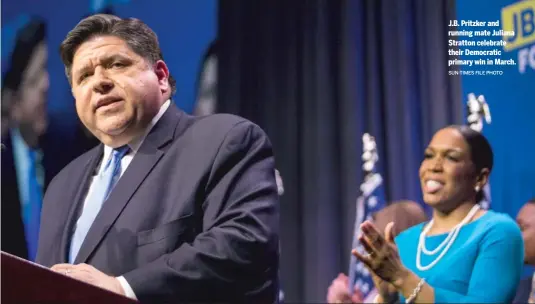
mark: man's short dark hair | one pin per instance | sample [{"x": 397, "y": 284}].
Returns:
[
  {"x": 28, "y": 38},
  {"x": 137, "y": 35}
]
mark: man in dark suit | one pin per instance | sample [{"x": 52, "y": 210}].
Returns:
[
  {"x": 24, "y": 123},
  {"x": 526, "y": 220},
  {"x": 170, "y": 207}
]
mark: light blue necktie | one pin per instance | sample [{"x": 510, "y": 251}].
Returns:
[
  {"x": 103, "y": 184},
  {"x": 32, "y": 208}
]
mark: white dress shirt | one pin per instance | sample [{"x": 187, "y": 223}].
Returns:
[{"x": 125, "y": 161}]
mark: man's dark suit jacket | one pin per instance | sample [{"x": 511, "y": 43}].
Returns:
[
  {"x": 193, "y": 218},
  {"x": 523, "y": 290},
  {"x": 55, "y": 157},
  {"x": 13, "y": 240}
]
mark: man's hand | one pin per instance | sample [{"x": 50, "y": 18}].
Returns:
[
  {"x": 90, "y": 275},
  {"x": 339, "y": 291}
]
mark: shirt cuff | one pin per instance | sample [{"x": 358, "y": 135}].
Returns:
[{"x": 127, "y": 289}]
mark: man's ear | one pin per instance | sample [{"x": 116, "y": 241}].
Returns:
[
  {"x": 162, "y": 72},
  {"x": 9, "y": 105}
]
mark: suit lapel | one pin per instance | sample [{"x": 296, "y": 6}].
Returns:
[
  {"x": 145, "y": 159},
  {"x": 77, "y": 200}
]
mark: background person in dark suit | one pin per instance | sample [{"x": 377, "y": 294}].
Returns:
[
  {"x": 24, "y": 122},
  {"x": 206, "y": 102},
  {"x": 169, "y": 207},
  {"x": 526, "y": 220}
]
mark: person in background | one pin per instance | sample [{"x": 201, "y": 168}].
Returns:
[
  {"x": 206, "y": 100},
  {"x": 525, "y": 292},
  {"x": 464, "y": 254},
  {"x": 404, "y": 214},
  {"x": 24, "y": 123}
]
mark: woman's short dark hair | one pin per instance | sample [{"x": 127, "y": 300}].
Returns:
[
  {"x": 480, "y": 151},
  {"x": 137, "y": 35}
]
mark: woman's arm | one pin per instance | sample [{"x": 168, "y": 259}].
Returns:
[{"x": 495, "y": 275}]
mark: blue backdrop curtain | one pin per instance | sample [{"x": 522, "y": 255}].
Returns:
[
  {"x": 511, "y": 101},
  {"x": 404, "y": 93},
  {"x": 316, "y": 75}
]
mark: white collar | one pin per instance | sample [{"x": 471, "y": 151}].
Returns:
[{"x": 136, "y": 143}]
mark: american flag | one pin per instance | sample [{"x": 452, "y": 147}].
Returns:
[
  {"x": 478, "y": 113},
  {"x": 371, "y": 200}
]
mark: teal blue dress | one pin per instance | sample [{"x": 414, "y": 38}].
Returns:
[{"x": 484, "y": 264}]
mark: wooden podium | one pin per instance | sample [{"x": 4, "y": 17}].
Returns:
[{"x": 27, "y": 282}]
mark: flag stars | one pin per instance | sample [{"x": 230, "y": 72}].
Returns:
[
  {"x": 360, "y": 267},
  {"x": 365, "y": 288},
  {"x": 372, "y": 202}
]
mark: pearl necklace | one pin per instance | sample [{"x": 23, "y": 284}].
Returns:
[{"x": 450, "y": 239}]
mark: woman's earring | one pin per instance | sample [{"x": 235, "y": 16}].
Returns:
[{"x": 477, "y": 188}]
